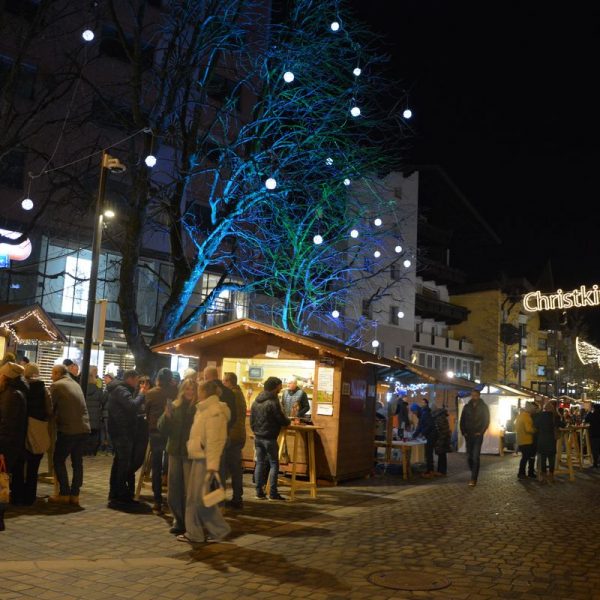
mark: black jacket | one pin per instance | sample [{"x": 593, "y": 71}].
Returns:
[
  {"x": 228, "y": 397},
  {"x": 444, "y": 435},
  {"x": 267, "y": 417},
  {"x": 94, "y": 399},
  {"x": 547, "y": 424},
  {"x": 13, "y": 422},
  {"x": 122, "y": 410},
  {"x": 593, "y": 419},
  {"x": 475, "y": 418},
  {"x": 39, "y": 405}
]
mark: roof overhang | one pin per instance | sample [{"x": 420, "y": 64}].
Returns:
[{"x": 29, "y": 323}]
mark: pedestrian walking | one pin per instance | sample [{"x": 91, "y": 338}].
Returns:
[
  {"x": 122, "y": 405},
  {"x": 94, "y": 400},
  {"x": 425, "y": 428},
  {"x": 39, "y": 411},
  {"x": 73, "y": 430},
  {"x": 175, "y": 424},
  {"x": 593, "y": 420},
  {"x": 547, "y": 423},
  {"x": 474, "y": 421},
  {"x": 235, "y": 443},
  {"x": 13, "y": 421},
  {"x": 156, "y": 401},
  {"x": 266, "y": 420},
  {"x": 444, "y": 437},
  {"x": 208, "y": 436},
  {"x": 525, "y": 441},
  {"x": 141, "y": 436}
]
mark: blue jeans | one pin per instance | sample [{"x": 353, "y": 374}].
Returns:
[
  {"x": 158, "y": 444},
  {"x": 473, "y": 451},
  {"x": 267, "y": 454},
  {"x": 69, "y": 445}
]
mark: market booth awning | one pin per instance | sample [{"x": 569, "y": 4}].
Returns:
[{"x": 26, "y": 323}]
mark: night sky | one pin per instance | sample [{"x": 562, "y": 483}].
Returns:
[{"x": 506, "y": 98}]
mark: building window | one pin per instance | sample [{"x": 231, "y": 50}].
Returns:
[
  {"x": 477, "y": 370},
  {"x": 422, "y": 359},
  {"x": 367, "y": 309},
  {"x": 111, "y": 45},
  {"x": 77, "y": 285},
  {"x": 542, "y": 343},
  {"x": 394, "y": 315},
  {"x": 444, "y": 363},
  {"x": 430, "y": 361},
  {"x": 24, "y": 77},
  {"x": 437, "y": 363},
  {"x": 12, "y": 167},
  {"x": 395, "y": 273},
  {"x": 541, "y": 371},
  {"x": 451, "y": 364}
]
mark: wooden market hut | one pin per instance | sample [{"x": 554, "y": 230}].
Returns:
[
  {"x": 25, "y": 323},
  {"x": 340, "y": 382}
]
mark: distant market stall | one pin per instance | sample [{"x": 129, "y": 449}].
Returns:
[{"x": 19, "y": 324}]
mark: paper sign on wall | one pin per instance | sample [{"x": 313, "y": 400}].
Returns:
[
  {"x": 325, "y": 409},
  {"x": 325, "y": 385},
  {"x": 272, "y": 352}
]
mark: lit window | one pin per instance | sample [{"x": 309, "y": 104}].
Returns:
[{"x": 76, "y": 291}]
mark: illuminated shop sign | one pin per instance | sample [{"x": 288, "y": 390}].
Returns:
[
  {"x": 577, "y": 298},
  {"x": 14, "y": 252}
]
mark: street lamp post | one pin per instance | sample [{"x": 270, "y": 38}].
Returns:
[{"x": 108, "y": 163}]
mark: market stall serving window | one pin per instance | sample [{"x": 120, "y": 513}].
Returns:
[{"x": 252, "y": 372}]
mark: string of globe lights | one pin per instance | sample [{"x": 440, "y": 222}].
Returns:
[
  {"x": 150, "y": 160},
  {"x": 355, "y": 112}
]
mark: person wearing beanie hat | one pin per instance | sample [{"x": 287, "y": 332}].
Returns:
[
  {"x": 13, "y": 419},
  {"x": 427, "y": 429},
  {"x": 39, "y": 407},
  {"x": 266, "y": 420}
]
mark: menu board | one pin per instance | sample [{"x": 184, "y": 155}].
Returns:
[{"x": 324, "y": 390}]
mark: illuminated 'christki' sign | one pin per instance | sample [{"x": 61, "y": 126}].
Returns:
[{"x": 577, "y": 298}]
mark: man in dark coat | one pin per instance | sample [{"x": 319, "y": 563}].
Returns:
[
  {"x": 593, "y": 420},
  {"x": 122, "y": 405},
  {"x": 13, "y": 420},
  {"x": 266, "y": 420},
  {"x": 474, "y": 421}
]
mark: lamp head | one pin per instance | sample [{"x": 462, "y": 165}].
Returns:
[{"x": 114, "y": 165}]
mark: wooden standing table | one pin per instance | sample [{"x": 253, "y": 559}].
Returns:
[{"x": 405, "y": 448}]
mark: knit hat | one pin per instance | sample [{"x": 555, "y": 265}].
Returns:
[
  {"x": 31, "y": 370},
  {"x": 11, "y": 370}
]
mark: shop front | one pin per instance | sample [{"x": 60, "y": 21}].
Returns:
[{"x": 340, "y": 383}]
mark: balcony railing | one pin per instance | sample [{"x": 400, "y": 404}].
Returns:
[{"x": 432, "y": 308}]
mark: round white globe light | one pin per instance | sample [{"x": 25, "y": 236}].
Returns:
[
  {"x": 150, "y": 160},
  {"x": 335, "y": 26},
  {"x": 407, "y": 263},
  {"x": 27, "y": 204},
  {"x": 270, "y": 183},
  {"x": 109, "y": 213},
  {"x": 329, "y": 161},
  {"x": 88, "y": 35},
  {"x": 398, "y": 249},
  {"x": 375, "y": 343},
  {"x": 357, "y": 71},
  {"x": 354, "y": 233},
  {"x": 288, "y": 77},
  {"x": 346, "y": 181},
  {"x": 376, "y": 254},
  {"x": 450, "y": 374},
  {"x": 378, "y": 222},
  {"x": 355, "y": 111},
  {"x": 400, "y": 314},
  {"x": 407, "y": 114},
  {"x": 318, "y": 240},
  {"x": 335, "y": 314}
]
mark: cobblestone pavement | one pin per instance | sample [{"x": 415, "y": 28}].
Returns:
[{"x": 503, "y": 539}]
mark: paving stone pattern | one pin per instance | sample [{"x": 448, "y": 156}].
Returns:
[{"x": 503, "y": 539}]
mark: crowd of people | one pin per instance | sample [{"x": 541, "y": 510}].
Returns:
[{"x": 195, "y": 430}]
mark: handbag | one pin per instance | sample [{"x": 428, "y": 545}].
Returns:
[
  {"x": 4, "y": 482},
  {"x": 212, "y": 497},
  {"x": 38, "y": 436}
]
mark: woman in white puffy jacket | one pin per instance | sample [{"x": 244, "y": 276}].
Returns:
[{"x": 208, "y": 437}]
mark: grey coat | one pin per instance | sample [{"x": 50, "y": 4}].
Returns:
[{"x": 70, "y": 409}]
